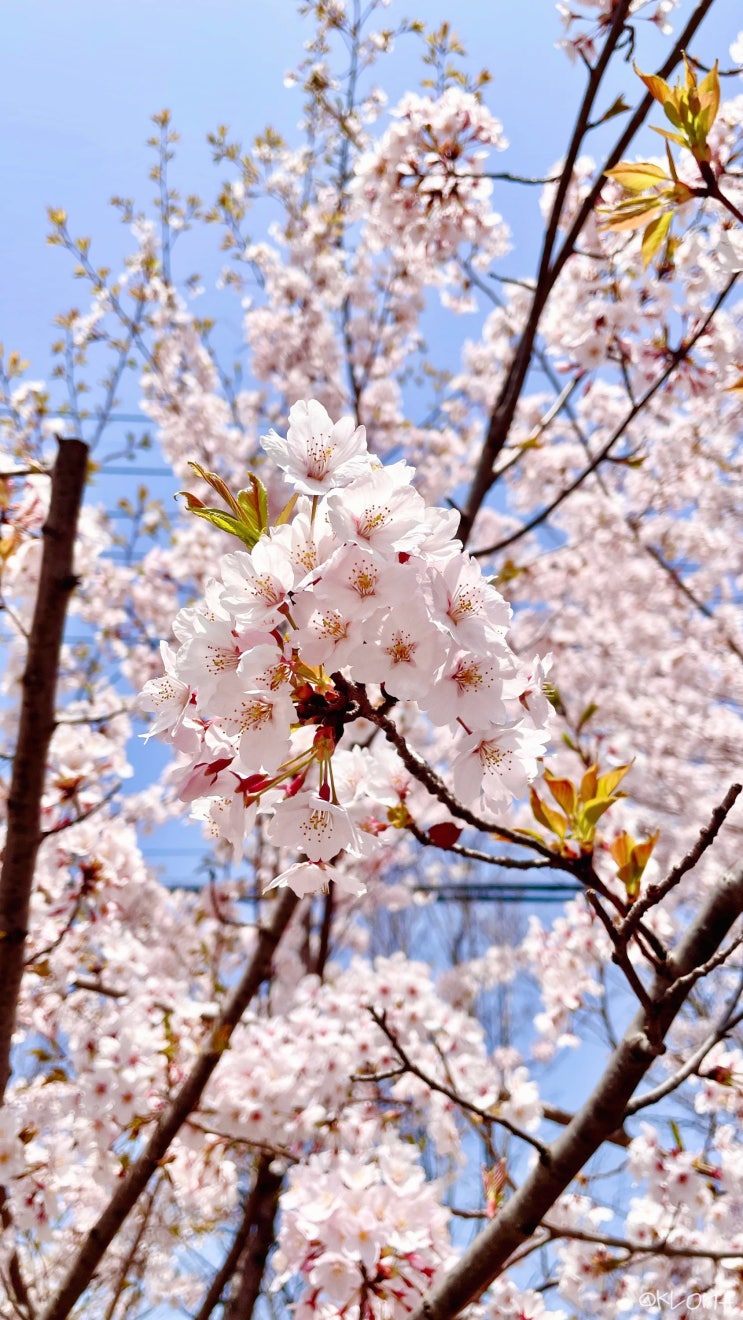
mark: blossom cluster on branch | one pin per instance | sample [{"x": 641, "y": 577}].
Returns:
[{"x": 359, "y": 583}]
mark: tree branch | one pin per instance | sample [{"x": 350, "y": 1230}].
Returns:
[
  {"x": 601, "y": 1115},
  {"x": 39, "y": 683},
  {"x": 505, "y": 407},
  {"x": 504, "y": 410},
  {"x": 662, "y": 1248},
  {"x": 686, "y": 1070},
  {"x": 252, "y": 1264},
  {"x": 184, "y": 1102},
  {"x": 240, "y": 1241},
  {"x": 654, "y": 893},
  {"x": 603, "y": 453}
]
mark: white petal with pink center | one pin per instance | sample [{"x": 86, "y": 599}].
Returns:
[
  {"x": 314, "y": 877},
  {"x": 467, "y": 605},
  {"x": 209, "y": 659},
  {"x": 327, "y": 636},
  {"x": 470, "y": 690},
  {"x": 226, "y": 819},
  {"x": 382, "y": 512},
  {"x": 499, "y": 766},
  {"x": 318, "y": 454},
  {"x": 405, "y": 655},
  {"x": 359, "y": 581},
  {"x": 304, "y": 878},
  {"x": 167, "y": 696},
  {"x": 321, "y": 829},
  {"x": 262, "y": 722},
  {"x": 308, "y": 544},
  {"x": 265, "y": 668},
  {"x": 256, "y": 584}
]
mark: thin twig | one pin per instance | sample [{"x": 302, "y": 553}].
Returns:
[
  {"x": 637, "y": 1248},
  {"x": 503, "y": 412},
  {"x": 688, "y": 1068},
  {"x": 619, "y": 955},
  {"x": 82, "y": 815},
  {"x": 676, "y": 357},
  {"x": 476, "y": 854},
  {"x": 654, "y": 893},
  {"x": 686, "y": 982},
  {"x": 483, "y": 1114}
]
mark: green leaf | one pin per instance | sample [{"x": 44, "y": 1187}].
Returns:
[
  {"x": 672, "y": 114},
  {"x": 594, "y": 810},
  {"x": 654, "y": 236},
  {"x": 641, "y": 852},
  {"x": 657, "y": 86},
  {"x": 253, "y": 503},
  {"x": 194, "y": 502},
  {"x": 287, "y": 511},
  {"x": 228, "y": 523},
  {"x": 670, "y": 137},
  {"x": 637, "y": 177},
  {"x": 632, "y": 214},
  {"x": 563, "y": 791},
  {"x": 609, "y": 781},
  {"x": 587, "y": 715},
  {"x": 589, "y": 784},
  {"x": 617, "y": 107},
  {"x": 255, "y": 499},
  {"x": 671, "y": 166},
  {"x": 215, "y": 481},
  {"x": 554, "y": 821}
]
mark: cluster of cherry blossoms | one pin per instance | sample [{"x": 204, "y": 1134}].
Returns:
[
  {"x": 358, "y": 583},
  {"x": 368, "y": 1236},
  {"x": 423, "y": 184}
]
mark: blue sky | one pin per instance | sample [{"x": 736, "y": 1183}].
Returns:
[{"x": 79, "y": 81}]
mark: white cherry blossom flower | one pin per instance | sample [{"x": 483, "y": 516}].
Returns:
[
  {"x": 328, "y": 636},
  {"x": 305, "y": 878},
  {"x": 168, "y": 696},
  {"x": 256, "y": 583},
  {"x": 357, "y": 580},
  {"x": 405, "y": 655},
  {"x": 317, "y": 454},
  {"x": 467, "y": 605},
  {"x": 261, "y": 721},
  {"x": 470, "y": 689},
  {"x": 321, "y": 829},
  {"x": 382, "y": 511}
]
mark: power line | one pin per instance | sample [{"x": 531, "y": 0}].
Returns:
[
  {"x": 96, "y": 416},
  {"x": 136, "y": 472},
  {"x": 457, "y": 892}
]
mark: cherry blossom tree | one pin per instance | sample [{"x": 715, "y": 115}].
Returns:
[{"x": 415, "y": 630}]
